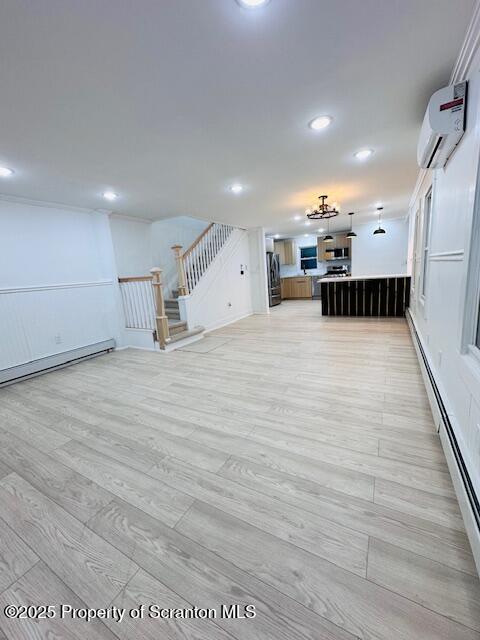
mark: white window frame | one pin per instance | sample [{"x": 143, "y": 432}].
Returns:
[
  {"x": 426, "y": 239},
  {"x": 471, "y": 321}
]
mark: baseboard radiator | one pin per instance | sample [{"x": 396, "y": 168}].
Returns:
[
  {"x": 43, "y": 365},
  {"x": 466, "y": 494}
]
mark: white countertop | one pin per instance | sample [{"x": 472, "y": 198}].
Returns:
[{"x": 349, "y": 278}]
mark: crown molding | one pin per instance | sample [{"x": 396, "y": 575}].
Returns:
[
  {"x": 48, "y": 205},
  {"x": 459, "y": 73},
  {"x": 469, "y": 48},
  {"x": 122, "y": 216}
]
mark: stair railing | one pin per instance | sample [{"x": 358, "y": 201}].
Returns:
[
  {"x": 182, "y": 278},
  {"x": 161, "y": 319},
  {"x": 138, "y": 302},
  {"x": 197, "y": 258}
]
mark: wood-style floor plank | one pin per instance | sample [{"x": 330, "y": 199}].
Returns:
[
  {"x": 359, "y": 606},
  {"x": 76, "y": 494},
  {"x": 154, "y": 497},
  {"x": 202, "y": 577},
  {"x": 320, "y": 536},
  {"x": 91, "y": 567},
  {"x": 16, "y": 558},
  {"x": 408, "y": 532},
  {"x": 233, "y": 474},
  {"x": 41, "y": 586},
  {"x": 417, "y": 502},
  {"x": 451, "y": 593},
  {"x": 144, "y": 589}
]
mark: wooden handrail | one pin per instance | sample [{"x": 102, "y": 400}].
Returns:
[
  {"x": 136, "y": 279},
  {"x": 192, "y": 247},
  {"x": 163, "y": 332},
  {"x": 182, "y": 281}
]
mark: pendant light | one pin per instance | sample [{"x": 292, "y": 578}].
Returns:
[
  {"x": 328, "y": 237},
  {"x": 379, "y": 230},
  {"x": 351, "y": 233}
]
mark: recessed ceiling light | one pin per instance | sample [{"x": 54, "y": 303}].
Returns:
[
  {"x": 297, "y": 218},
  {"x": 320, "y": 230},
  {"x": 277, "y": 235},
  {"x": 306, "y": 235},
  {"x": 308, "y": 223},
  {"x": 252, "y": 4},
  {"x": 236, "y": 189},
  {"x": 363, "y": 154},
  {"x": 110, "y": 195},
  {"x": 5, "y": 172},
  {"x": 320, "y": 123}
]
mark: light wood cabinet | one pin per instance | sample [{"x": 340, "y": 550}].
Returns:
[
  {"x": 287, "y": 250},
  {"x": 297, "y": 287},
  {"x": 340, "y": 241}
]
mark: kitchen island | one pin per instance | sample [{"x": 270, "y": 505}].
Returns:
[{"x": 374, "y": 296}]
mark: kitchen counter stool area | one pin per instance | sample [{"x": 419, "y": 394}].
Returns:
[{"x": 374, "y": 296}]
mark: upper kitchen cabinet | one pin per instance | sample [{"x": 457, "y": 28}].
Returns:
[
  {"x": 287, "y": 250},
  {"x": 335, "y": 249}
]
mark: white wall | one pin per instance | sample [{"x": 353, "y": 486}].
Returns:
[
  {"x": 446, "y": 316},
  {"x": 382, "y": 254},
  {"x": 132, "y": 243},
  {"x": 57, "y": 281},
  {"x": 258, "y": 270},
  {"x": 181, "y": 230},
  {"x": 223, "y": 295}
]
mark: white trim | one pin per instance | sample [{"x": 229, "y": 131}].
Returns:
[
  {"x": 122, "y": 216},
  {"x": 465, "y": 508},
  {"x": 49, "y": 287},
  {"x": 222, "y": 324},
  {"x": 468, "y": 49},
  {"x": 471, "y": 306},
  {"x": 460, "y": 491},
  {"x": 448, "y": 256},
  {"x": 35, "y": 367},
  {"x": 50, "y": 205}
]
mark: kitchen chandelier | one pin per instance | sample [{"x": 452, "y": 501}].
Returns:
[{"x": 323, "y": 211}]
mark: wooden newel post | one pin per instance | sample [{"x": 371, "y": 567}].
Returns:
[
  {"x": 163, "y": 333},
  {"x": 182, "y": 281}
]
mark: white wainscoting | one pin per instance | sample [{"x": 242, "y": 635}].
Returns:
[{"x": 41, "y": 321}]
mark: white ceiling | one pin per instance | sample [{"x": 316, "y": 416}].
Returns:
[{"x": 168, "y": 102}]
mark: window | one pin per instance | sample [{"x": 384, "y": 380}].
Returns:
[
  {"x": 426, "y": 240},
  {"x": 308, "y": 257},
  {"x": 478, "y": 329}
]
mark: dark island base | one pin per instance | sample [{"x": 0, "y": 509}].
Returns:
[{"x": 373, "y": 297}]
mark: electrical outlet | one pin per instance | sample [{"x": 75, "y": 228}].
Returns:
[{"x": 58, "y": 339}]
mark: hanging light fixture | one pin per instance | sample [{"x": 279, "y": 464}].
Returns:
[
  {"x": 351, "y": 233},
  {"x": 379, "y": 230},
  {"x": 328, "y": 237},
  {"x": 323, "y": 211}
]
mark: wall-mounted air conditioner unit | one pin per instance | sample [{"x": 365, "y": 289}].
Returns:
[{"x": 443, "y": 126}]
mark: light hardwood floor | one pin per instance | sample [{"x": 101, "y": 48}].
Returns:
[{"x": 288, "y": 462}]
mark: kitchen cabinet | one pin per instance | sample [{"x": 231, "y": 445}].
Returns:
[
  {"x": 296, "y": 287},
  {"x": 340, "y": 241},
  {"x": 287, "y": 250}
]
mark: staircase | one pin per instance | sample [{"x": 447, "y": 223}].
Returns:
[
  {"x": 178, "y": 328},
  {"x": 143, "y": 302}
]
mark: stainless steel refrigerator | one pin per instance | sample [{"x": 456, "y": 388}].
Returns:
[{"x": 273, "y": 273}]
